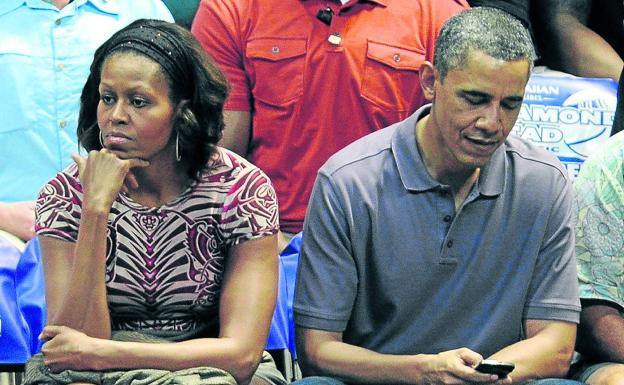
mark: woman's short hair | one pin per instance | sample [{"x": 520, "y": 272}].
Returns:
[{"x": 192, "y": 77}]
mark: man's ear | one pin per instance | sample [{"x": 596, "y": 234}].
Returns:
[{"x": 427, "y": 75}]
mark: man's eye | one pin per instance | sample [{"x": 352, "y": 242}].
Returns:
[
  {"x": 511, "y": 105},
  {"x": 138, "y": 103},
  {"x": 474, "y": 100}
]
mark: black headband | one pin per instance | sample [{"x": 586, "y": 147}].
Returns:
[{"x": 159, "y": 45}]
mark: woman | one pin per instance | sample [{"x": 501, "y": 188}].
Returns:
[{"x": 158, "y": 230}]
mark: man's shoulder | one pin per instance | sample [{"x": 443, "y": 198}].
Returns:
[
  {"x": 7, "y": 6},
  {"x": 361, "y": 153},
  {"x": 534, "y": 155}
]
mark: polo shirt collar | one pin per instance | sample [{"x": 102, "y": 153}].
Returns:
[
  {"x": 492, "y": 177},
  {"x": 383, "y": 3},
  {"x": 412, "y": 169}
]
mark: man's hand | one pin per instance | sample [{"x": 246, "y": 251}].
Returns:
[
  {"x": 67, "y": 348},
  {"x": 457, "y": 367},
  {"x": 18, "y": 219}
]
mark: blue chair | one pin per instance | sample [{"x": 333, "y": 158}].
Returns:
[{"x": 22, "y": 306}]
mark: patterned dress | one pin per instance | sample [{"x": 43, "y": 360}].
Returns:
[
  {"x": 164, "y": 265},
  {"x": 600, "y": 228}
]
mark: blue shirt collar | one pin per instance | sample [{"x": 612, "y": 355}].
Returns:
[
  {"x": 108, "y": 6},
  {"x": 414, "y": 174}
]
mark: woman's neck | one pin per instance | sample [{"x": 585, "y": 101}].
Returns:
[{"x": 158, "y": 185}]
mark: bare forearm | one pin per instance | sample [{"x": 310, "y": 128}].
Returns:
[
  {"x": 602, "y": 333},
  {"x": 582, "y": 52},
  {"x": 84, "y": 306},
  {"x": 356, "y": 364},
  {"x": 232, "y": 355},
  {"x": 545, "y": 354}
]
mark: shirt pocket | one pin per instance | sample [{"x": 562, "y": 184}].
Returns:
[
  {"x": 277, "y": 69},
  {"x": 21, "y": 79},
  {"x": 390, "y": 77}
]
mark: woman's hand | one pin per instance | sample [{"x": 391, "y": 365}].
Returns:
[
  {"x": 67, "y": 348},
  {"x": 103, "y": 175}
]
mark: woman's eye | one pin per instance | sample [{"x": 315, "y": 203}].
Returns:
[
  {"x": 107, "y": 99},
  {"x": 138, "y": 103}
]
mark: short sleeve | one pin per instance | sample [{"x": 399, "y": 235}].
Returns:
[
  {"x": 58, "y": 206},
  {"x": 250, "y": 209},
  {"x": 218, "y": 28},
  {"x": 553, "y": 290},
  {"x": 600, "y": 228},
  {"x": 327, "y": 276}
]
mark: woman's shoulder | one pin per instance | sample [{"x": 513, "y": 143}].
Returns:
[{"x": 228, "y": 165}]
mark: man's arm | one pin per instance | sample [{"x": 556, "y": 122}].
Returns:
[
  {"x": 601, "y": 333},
  {"x": 324, "y": 353},
  {"x": 237, "y": 132},
  {"x": 18, "y": 219},
  {"x": 567, "y": 44},
  {"x": 546, "y": 352}
]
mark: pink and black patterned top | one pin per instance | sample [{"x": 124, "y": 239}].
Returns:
[{"x": 164, "y": 265}]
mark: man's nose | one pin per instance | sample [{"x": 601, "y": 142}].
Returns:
[{"x": 490, "y": 120}]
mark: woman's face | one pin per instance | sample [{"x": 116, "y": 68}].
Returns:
[{"x": 135, "y": 112}]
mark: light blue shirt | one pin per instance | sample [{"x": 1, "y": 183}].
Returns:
[{"x": 45, "y": 54}]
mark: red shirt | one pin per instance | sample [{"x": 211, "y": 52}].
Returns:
[{"x": 310, "y": 96}]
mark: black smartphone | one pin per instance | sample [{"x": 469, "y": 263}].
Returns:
[{"x": 501, "y": 369}]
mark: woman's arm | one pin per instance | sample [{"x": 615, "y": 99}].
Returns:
[
  {"x": 245, "y": 311},
  {"x": 75, "y": 273}
]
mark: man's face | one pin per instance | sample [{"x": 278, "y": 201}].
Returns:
[{"x": 475, "y": 108}]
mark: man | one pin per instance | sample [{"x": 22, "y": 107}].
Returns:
[
  {"x": 311, "y": 76},
  {"x": 45, "y": 52},
  {"x": 439, "y": 240},
  {"x": 600, "y": 251}
]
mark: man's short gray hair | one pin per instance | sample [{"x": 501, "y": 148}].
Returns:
[{"x": 489, "y": 30}]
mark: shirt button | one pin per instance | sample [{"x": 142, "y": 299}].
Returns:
[
  {"x": 396, "y": 58},
  {"x": 60, "y": 66},
  {"x": 449, "y": 244},
  {"x": 275, "y": 49},
  {"x": 58, "y": 22},
  {"x": 447, "y": 218},
  {"x": 63, "y": 123}
]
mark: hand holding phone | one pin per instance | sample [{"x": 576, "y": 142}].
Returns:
[{"x": 500, "y": 368}]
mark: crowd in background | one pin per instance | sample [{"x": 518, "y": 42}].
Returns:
[{"x": 286, "y": 86}]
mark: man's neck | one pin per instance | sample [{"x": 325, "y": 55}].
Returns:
[
  {"x": 60, "y": 4},
  {"x": 460, "y": 181}
]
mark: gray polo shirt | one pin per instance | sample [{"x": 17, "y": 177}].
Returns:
[{"x": 387, "y": 260}]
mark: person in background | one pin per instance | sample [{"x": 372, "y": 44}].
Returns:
[
  {"x": 600, "y": 254},
  {"x": 581, "y": 37},
  {"x": 158, "y": 246},
  {"x": 45, "y": 52},
  {"x": 518, "y": 8},
  {"x": 441, "y": 240},
  {"x": 309, "y": 77},
  {"x": 183, "y": 11}
]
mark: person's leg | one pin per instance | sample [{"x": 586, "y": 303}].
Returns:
[
  {"x": 554, "y": 381},
  {"x": 603, "y": 374},
  {"x": 317, "y": 380}
]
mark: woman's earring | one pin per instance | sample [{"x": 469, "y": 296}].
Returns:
[
  {"x": 101, "y": 139},
  {"x": 178, "y": 157}
]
